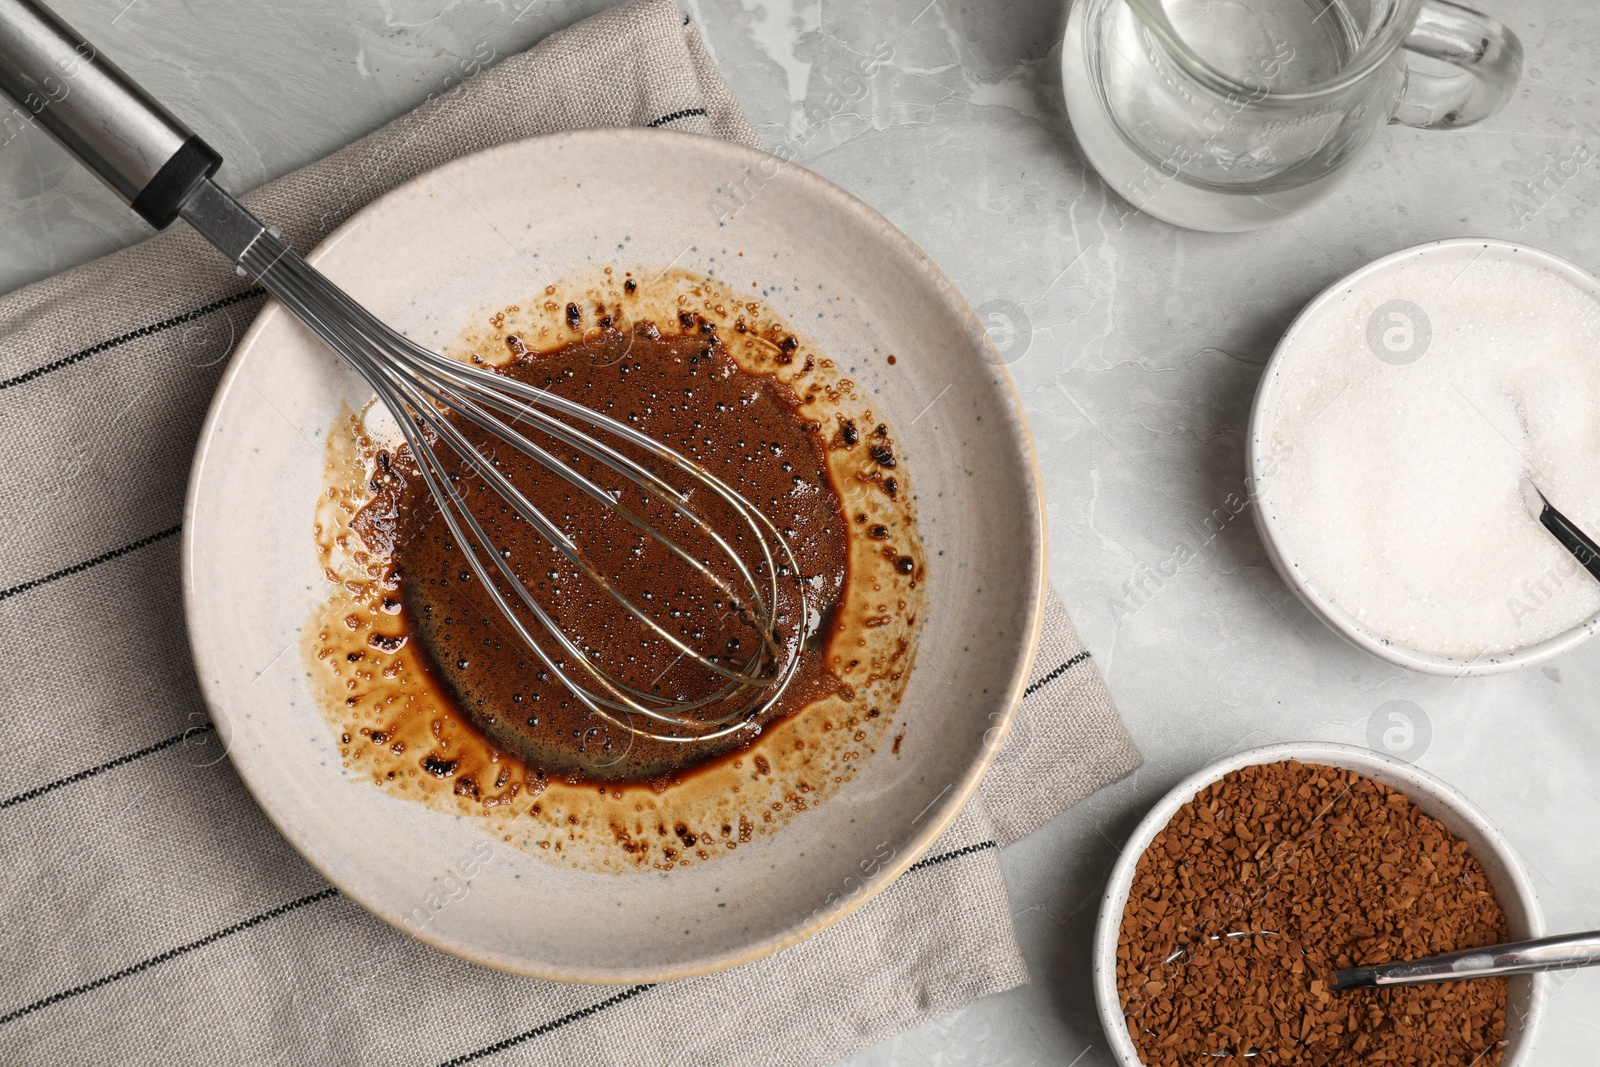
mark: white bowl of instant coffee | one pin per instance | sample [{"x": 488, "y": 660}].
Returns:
[
  {"x": 1390, "y": 438},
  {"x": 1243, "y": 888}
]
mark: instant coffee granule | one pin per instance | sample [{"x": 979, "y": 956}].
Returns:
[{"x": 1268, "y": 881}]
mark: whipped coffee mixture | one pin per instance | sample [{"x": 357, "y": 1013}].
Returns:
[{"x": 433, "y": 696}]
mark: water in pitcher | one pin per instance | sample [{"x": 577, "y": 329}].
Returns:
[
  {"x": 1288, "y": 45},
  {"x": 1221, "y": 159}
]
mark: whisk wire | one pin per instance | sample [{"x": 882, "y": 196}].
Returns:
[
  {"x": 466, "y": 407},
  {"x": 419, "y": 387},
  {"x": 626, "y": 698},
  {"x": 488, "y": 388},
  {"x": 473, "y": 378},
  {"x": 530, "y": 513}
]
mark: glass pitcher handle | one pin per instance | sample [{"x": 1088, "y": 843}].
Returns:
[{"x": 1487, "y": 58}]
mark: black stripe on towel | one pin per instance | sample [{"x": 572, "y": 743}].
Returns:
[
  {"x": 545, "y": 1028},
  {"x": 170, "y": 954},
  {"x": 50, "y": 787},
  {"x": 1054, "y": 674},
  {"x": 955, "y": 854},
  {"x": 326, "y": 894},
  {"x": 633, "y": 991},
  {"x": 133, "y": 335},
  {"x": 104, "y": 557},
  {"x": 676, "y": 115}
]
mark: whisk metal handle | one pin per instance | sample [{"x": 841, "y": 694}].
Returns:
[{"x": 99, "y": 114}]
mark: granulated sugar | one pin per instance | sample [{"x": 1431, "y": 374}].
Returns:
[{"x": 1407, "y": 418}]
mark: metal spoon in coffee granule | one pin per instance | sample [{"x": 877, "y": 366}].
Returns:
[{"x": 1547, "y": 954}]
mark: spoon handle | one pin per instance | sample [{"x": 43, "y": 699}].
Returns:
[
  {"x": 1563, "y": 529},
  {"x": 1546, "y": 954}
]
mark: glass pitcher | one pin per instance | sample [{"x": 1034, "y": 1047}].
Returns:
[{"x": 1229, "y": 114}]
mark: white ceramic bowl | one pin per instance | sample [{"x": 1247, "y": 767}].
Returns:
[
  {"x": 1506, "y": 876},
  {"x": 489, "y": 230},
  {"x": 1258, "y": 459}
]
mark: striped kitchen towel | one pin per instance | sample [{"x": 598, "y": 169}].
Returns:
[{"x": 152, "y": 914}]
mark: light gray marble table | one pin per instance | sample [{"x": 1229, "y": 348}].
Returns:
[{"x": 1144, "y": 350}]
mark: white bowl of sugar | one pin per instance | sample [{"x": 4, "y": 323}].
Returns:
[{"x": 1389, "y": 439}]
